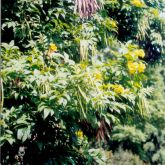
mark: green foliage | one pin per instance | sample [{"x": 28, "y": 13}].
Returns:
[
  {"x": 68, "y": 82},
  {"x": 128, "y": 133},
  {"x": 52, "y": 90},
  {"x": 146, "y": 138},
  {"x": 140, "y": 21},
  {"x": 122, "y": 157},
  {"x": 37, "y": 24},
  {"x": 154, "y": 129}
]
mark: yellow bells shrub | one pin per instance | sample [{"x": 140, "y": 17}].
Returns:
[
  {"x": 79, "y": 134},
  {"x": 141, "y": 67},
  {"x": 137, "y": 3}
]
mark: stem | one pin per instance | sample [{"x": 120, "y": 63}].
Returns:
[{"x": 1, "y": 95}]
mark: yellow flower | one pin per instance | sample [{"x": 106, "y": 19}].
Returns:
[
  {"x": 83, "y": 65},
  {"x": 137, "y": 3},
  {"x": 98, "y": 76},
  {"x": 136, "y": 67},
  {"x": 141, "y": 67},
  {"x": 132, "y": 67},
  {"x": 53, "y": 47},
  {"x": 79, "y": 134},
  {"x": 118, "y": 88},
  {"x": 155, "y": 12},
  {"x": 113, "y": 24},
  {"x": 139, "y": 53},
  {"x": 134, "y": 54},
  {"x": 129, "y": 56}
]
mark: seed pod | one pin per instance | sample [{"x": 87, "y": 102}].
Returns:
[{"x": 86, "y": 8}]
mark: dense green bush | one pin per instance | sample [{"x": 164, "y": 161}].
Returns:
[
  {"x": 154, "y": 145},
  {"x": 122, "y": 157},
  {"x": 141, "y": 23},
  {"x": 146, "y": 138},
  {"x": 38, "y": 23},
  {"x": 70, "y": 85},
  {"x": 47, "y": 99}
]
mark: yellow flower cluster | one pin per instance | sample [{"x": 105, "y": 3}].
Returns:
[
  {"x": 131, "y": 55},
  {"x": 53, "y": 47},
  {"x": 137, "y": 3},
  {"x": 139, "y": 53},
  {"x": 118, "y": 88},
  {"x": 79, "y": 134},
  {"x": 134, "y": 67}
]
